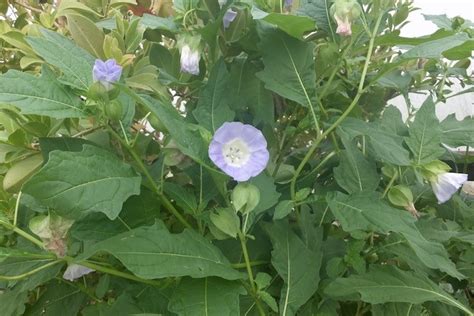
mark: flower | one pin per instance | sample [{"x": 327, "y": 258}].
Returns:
[
  {"x": 229, "y": 16},
  {"x": 446, "y": 184},
  {"x": 75, "y": 271},
  {"x": 343, "y": 26},
  {"x": 106, "y": 72},
  {"x": 344, "y": 12},
  {"x": 222, "y": 3},
  {"x": 240, "y": 150},
  {"x": 189, "y": 60}
]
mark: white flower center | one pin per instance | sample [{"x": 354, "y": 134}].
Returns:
[{"x": 236, "y": 152}]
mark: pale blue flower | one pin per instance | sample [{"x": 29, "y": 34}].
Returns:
[
  {"x": 106, "y": 72},
  {"x": 190, "y": 60},
  {"x": 75, "y": 271},
  {"x": 240, "y": 150},
  {"x": 447, "y": 184},
  {"x": 229, "y": 17}
]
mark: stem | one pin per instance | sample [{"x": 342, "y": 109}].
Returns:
[
  {"x": 23, "y": 234},
  {"x": 17, "y": 206},
  {"x": 389, "y": 185},
  {"x": 243, "y": 243},
  {"x": 360, "y": 91},
  {"x": 466, "y": 158},
  {"x": 167, "y": 203},
  {"x": 252, "y": 264},
  {"x": 27, "y": 274}
]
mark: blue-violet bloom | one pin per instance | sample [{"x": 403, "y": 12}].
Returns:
[
  {"x": 240, "y": 150},
  {"x": 229, "y": 16},
  {"x": 447, "y": 184},
  {"x": 190, "y": 60},
  {"x": 106, "y": 72},
  {"x": 75, "y": 271}
]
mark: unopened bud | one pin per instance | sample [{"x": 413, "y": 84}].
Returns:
[{"x": 245, "y": 197}]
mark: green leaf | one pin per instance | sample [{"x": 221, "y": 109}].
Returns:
[
  {"x": 425, "y": 134},
  {"x": 48, "y": 144},
  {"x": 208, "y": 296},
  {"x": 13, "y": 302},
  {"x": 435, "y": 48},
  {"x": 58, "y": 298},
  {"x": 457, "y": 133},
  {"x": 282, "y": 209},
  {"x": 86, "y": 34},
  {"x": 441, "y": 20},
  {"x": 293, "y": 25},
  {"x": 227, "y": 221},
  {"x": 73, "y": 6},
  {"x": 355, "y": 173},
  {"x": 153, "y": 252},
  {"x": 296, "y": 264},
  {"x": 74, "y": 62},
  {"x": 184, "y": 197},
  {"x": 77, "y": 183},
  {"x": 158, "y": 23},
  {"x": 289, "y": 66},
  {"x": 213, "y": 106},
  {"x": 41, "y": 96},
  {"x": 124, "y": 305},
  {"x": 390, "y": 284},
  {"x": 366, "y": 211},
  {"x": 268, "y": 193},
  {"x": 319, "y": 11},
  {"x": 187, "y": 139}
]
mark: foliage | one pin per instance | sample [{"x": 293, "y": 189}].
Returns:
[{"x": 116, "y": 176}]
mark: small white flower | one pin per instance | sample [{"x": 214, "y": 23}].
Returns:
[
  {"x": 447, "y": 184},
  {"x": 75, "y": 271},
  {"x": 189, "y": 60}
]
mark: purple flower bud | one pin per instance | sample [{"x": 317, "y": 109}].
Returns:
[
  {"x": 189, "y": 60},
  {"x": 240, "y": 150},
  {"x": 106, "y": 72},
  {"x": 447, "y": 184},
  {"x": 229, "y": 16}
]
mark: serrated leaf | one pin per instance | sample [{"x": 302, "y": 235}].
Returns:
[
  {"x": 208, "y": 296},
  {"x": 74, "y": 62},
  {"x": 457, "y": 133},
  {"x": 77, "y": 183},
  {"x": 296, "y": 264},
  {"x": 390, "y": 284},
  {"x": 213, "y": 108},
  {"x": 289, "y": 66},
  {"x": 366, "y": 211},
  {"x": 425, "y": 134},
  {"x": 355, "y": 172},
  {"x": 153, "y": 252},
  {"x": 39, "y": 95},
  {"x": 435, "y": 48}
]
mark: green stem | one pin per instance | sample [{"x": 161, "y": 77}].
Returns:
[
  {"x": 27, "y": 274},
  {"x": 167, "y": 203},
  {"x": 389, "y": 185},
  {"x": 243, "y": 243},
  {"x": 466, "y": 158},
  {"x": 349, "y": 109},
  {"x": 251, "y": 263},
  {"x": 17, "y": 206},
  {"x": 23, "y": 234}
]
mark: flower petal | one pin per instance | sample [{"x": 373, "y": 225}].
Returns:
[
  {"x": 75, "y": 271},
  {"x": 447, "y": 184}
]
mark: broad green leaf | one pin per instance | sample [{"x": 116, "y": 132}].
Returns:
[
  {"x": 39, "y": 95},
  {"x": 295, "y": 26},
  {"x": 459, "y": 52},
  {"x": 282, "y": 209},
  {"x": 159, "y": 23},
  {"x": 153, "y": 252},
  {"x": 58, "y": 298},
  {"x": 124, "y": 305},
  {"x": 296, "y": 264},
  {"x": 208, "y": 296},
  {"x": 73, "y": 6},
  {"x": 435, "y": 48},
  {"x": 457, "y": 133},
  {"x": 74, "y": 62},
  {"x": 187, "y": 138},
  {"x": 355, "y": 172},
  {"x": 441, "y": 20},
  {"x": 319, "y": 11},
  {"x": 396, "y": 309},
  {"x": 289, "y": 66},
  {"x": 213, "y": 107},
  {"x": 184, "y": 197},
  {"x": 268, "y": 194},
  {"x": 77, "y": 183},
  {"x": 368, "y": 212},
  {"x": 390, "y": 284},
  {"x": 425, "y": 134},
  {"x": 48, "y": 144},
  {"x": 13, "y": 302},
  {"x": 86, "y": 34}
]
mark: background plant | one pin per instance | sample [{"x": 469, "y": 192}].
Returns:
[{"x": 111, "y": 205}]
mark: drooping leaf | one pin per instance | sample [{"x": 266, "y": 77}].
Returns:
[
  {"x": 213, "y": 108},
  {"x": 366, "y": 211},
  {"x": 389, "y": 284},
  {"x": 435, "y": 48},
  {"x": 77, "y": 183},
  {"x": 425, "y": 134},
  {"x": 457, "y": 133},
  {"x": 207, "y": 296},
  {"x": 296, "y": 264},
  {"x": 289, "y": 66},
  {"x": 39, "y": 95},
  {"x": 355, "y": 172},
  {"x": 153, "y": 252},
  {"x": 293, "y": 25},
  {"x": 74, "y": 62}
]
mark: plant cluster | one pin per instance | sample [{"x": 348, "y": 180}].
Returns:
[{"x": 213, "y": 157}]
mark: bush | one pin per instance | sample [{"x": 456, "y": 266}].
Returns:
[{"x": 232, "y": 158}]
